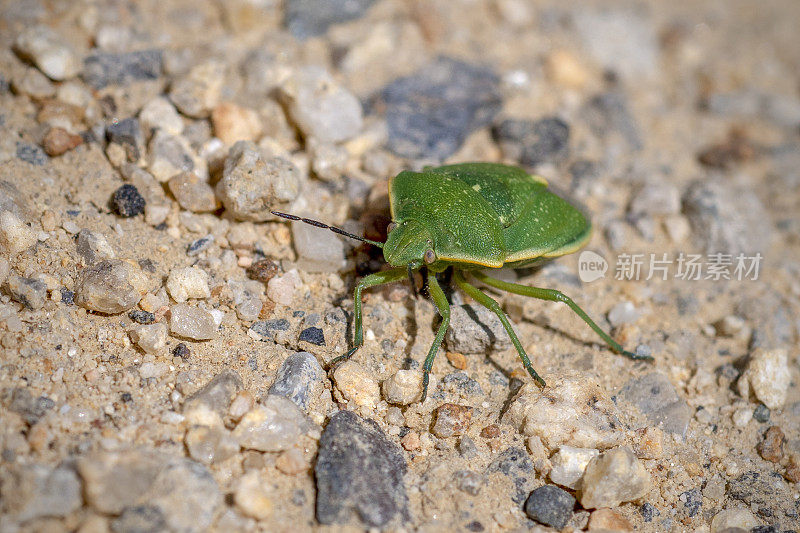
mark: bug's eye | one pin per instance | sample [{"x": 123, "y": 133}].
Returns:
[
  {"x": 391, "y": 227},
  {"x": 430, "y": 256}
]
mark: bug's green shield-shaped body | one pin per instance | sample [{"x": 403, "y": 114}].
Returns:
[{"x": 476, "y": 215}]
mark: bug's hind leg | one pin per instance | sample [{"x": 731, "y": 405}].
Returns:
[
  {"x": 378, "y": 278},
  {"x": 557, "y": 296},
  {"x": 492, "y": 305},
  {"x": 440, "y": 300}
]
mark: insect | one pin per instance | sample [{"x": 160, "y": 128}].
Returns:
[{"x": 471, "y": 217}]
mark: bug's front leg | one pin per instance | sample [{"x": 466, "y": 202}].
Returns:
[
  {"x": 440, "y": 300},
  {"x": 378, "y": 278}
]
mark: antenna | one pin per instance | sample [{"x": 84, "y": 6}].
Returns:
[{"x": 319, "y": 224}]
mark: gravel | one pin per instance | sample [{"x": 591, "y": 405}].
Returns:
[
  {"x": 300, "y": 378},
  {"x": 127, "y": 201},
  {"x": 103, "y": 69},
  {"x": 359, "y": 470},
  {"x": 550, "y": 505}
]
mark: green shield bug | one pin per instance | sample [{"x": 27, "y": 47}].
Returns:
[{"x": 473, "y": 216}]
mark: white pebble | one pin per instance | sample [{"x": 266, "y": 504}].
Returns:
[
  {"x": 622, "y": 313},
  {"x": 728, "y": 519},
  {"x": 191, "y": 322},
  {"x": 742, "y": 416},
  {"x": 569, "y": 463},
  {"x": 281, "y": 289},
  {"x": 612, "y": 478},
  {"x": 356, "y": 384},
  {"x": 189, "y": 282},
  {"x": 15, "y": 235},
  {"x": 768, "y": 376},
  {"x": 49, "y": 52},
  {"x": 403, "y": 388},
  {"x": 152, "y": 338}
]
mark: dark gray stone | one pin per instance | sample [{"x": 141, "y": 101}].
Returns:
[
  {"x": 127, "y": 201},
  {"x": 268, "y": 329},
  {"x": 309, "y": 18},
  {"x": 198, "y": 245},
  {"x": 102, "y": 69},
  {"x": 30, "y": 153},
  {"x": 359, "y": 469},
  {"x": 692, "y": 501},
  {"x": 761, "y": 413},
  {"x": 657, "y": 399},
  {"x": 608, "y": 113},
  {"x": 313, "y": 335},
  {"x": 648, "y": 511},
  {"x": 430, "y": 113},
  {"x": 217, "y": 393},
  {"x": 140, "y": 519},
  {"x": 298, "y": 377},
  {"x": 515, "y": 463},
  {"x": 128, "y": 134},
  {"x": 550, "y": 505},
  {"x": 463, "y": 383},
  {"x": 532, "y": 142},
  {"x": 31, "y": 409}
]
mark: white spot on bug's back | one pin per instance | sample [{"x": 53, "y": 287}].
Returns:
[{"x": 476, "y": 187}]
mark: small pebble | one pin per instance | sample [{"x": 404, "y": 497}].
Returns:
[
  {"x": 128, "y": 135},
  {"x": 771, "y": 447},
  {"x": 252, "y": 185},
  {"x": 252, "y": 496},
  {"x": 168, "y": 155},
  {"x": 732, "y": 519},
  {"x": 356, "y": 384},
  {"x": 550, "y": 505},
  {"x": 30, "y": 292},
  {"x": 742, "y": 416},
  {"x": 411, "y": 441},
  {"x": 110, "y": 286},
  {"x": 767, "y": 375},
  {"x": 656, "y": 199},
  {"x": 142, "y": 317},
  {"x": 103, "y": 69},
  {"x": 263, "y": 270},
  {"x": 192, "y": 193},
  {"x": 451, "y": 420},
  {"x": 291, "y": 462},
  {"x": 189, "y": 282},
  {"x": 234, "y": 123},
  {"x": 300, "y": 378},
  {"x": 569, "y": 464},
  {"x": 313, "y": 335},
  {"x": 403, "y": 388},
  {"x": 761, "y": 413},
  {"x": 274, "y": 425},
  {"x": 609, "y": 520},
  {"x": 93, "y": 246},
  {"x": 320, "y": 107},
  {"x": 281, "y": 289},
  {"x": 182, "y": 351},
  {"x": 210, "y": 445},
  {"x": 318, "y": 249},
  {"x": 612, "y": 478},
  {"x": 49, "y": 52},
  {"x": 152, "y": 338},
  {"x": 457, "y": 359},
  {"x": 328, "y": 160},
  {"x": 15, "y": 235},
  {"x": 58, "y": 141},
  {"x": 533, "y": 142},
  {"x": 729, "y": 326},
  {"x": 199, "y": 245},
  {"x": 160, "y": 114},
  {"x": 475, "y": 330},
  {"x": 191, "y": 322},
  {"x": 127, "y": 201},
  {"x": 196, "y": 93},
  {"x": 623, "y": 313}
]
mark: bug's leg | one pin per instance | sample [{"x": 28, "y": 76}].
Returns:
[
  {"x": 378, "y": 278},
  {"x": 440, "y": 300},
  {"x": 492, "y": 305},
  {"x": 557, "y": 296}
]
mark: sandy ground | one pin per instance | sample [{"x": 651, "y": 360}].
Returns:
[{"x": 145, "y": 331}]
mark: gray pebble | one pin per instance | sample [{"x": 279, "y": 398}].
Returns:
[
  {"x": 609, "y": 113},
  {"x": 276, "y": 424},
  {"x": 140, "y": 519},
  {"x": 38, "y": 491},
  {"x": 658, "y": 400},
  {"x": 31, "y": 153},
  {"x": 318, "y": 249},
  {"x": 169, "y": 155},
  {"x": 359, "y": 469},
  {"x": 300, "y": 378},
  {"x": 192, "y": 322},
  {"x": 533, "y": 142},
  {"x": 102, "y": 69},
  {"x": 217, "y": 394},
  {"x": 515, "y": 463},
  {"x": 309, "y": 18},
  {"x": 128, "y": 134},
  {"x": 550, "y": 505},
  {"x": 252, "y": 185},
  {"x": 660, "y": 198},
  {"x": 199, "y": 245},
  {"x": 469, "y": 481},
  {"x": 475, "y": 330},
  {"x": 30, "y": 292},
  {"x": 761, "y": 413},
  {"x": 110, "y": 286},
  {"x": 430, "y": 113},
  {"x": 313, "y": 335},
  {"x": 93, "y": 246}
]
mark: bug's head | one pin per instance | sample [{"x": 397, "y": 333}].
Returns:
[{"x": 409, "y": 243}]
